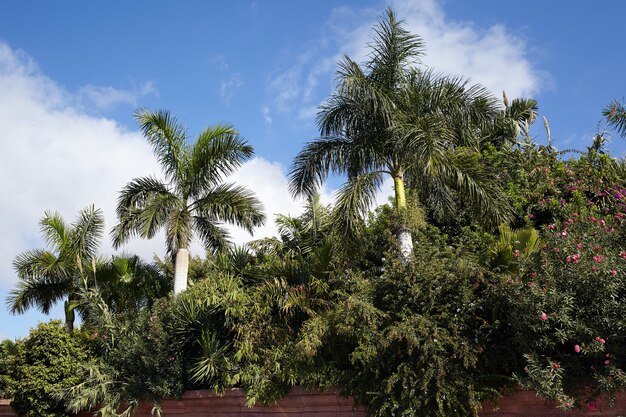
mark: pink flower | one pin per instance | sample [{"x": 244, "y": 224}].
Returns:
[
  {"x": 579, "y": 246},
  {"x": 622, "y": 254},
  {"x": 564, "y": 232},
  {"x": 606, "y": 362},
  {"x": 619, "y": 215},
  {"x": 601, "y": 340},
  {"x": 576, "y": 348},
  {"x": 593, "y": 406},
  {"x": 544, "y": 316},
  {"x": 551, "y": 226},
  {"x": 531, "y": 284},
  {"x": 613, "y": 272},
  {"x": 556, "y": 250},
  {"x": 534, "y": 275},
  {"x": 573, "y": 258},
  {"x": 598, "y": 258},
  {"x": 594, "y": 269}
]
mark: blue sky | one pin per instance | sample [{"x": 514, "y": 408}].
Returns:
[{"x": 72, "y": 73}]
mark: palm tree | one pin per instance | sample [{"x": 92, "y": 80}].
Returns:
[
  {"x": 193, "y": 197},
  {"x": 515, "y": 119},
  {"x": 47, "y": 276},
  {"x": 392, "y": 119},
  {"x": 128, "y": 284},
  {"x": 615, "y": 114}
]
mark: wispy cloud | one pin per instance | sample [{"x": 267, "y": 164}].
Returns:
[
  {"x": 231, "y": 82},
  {"x": 105, "y": 97},
  {"x": 493, "y": 56},
  {"x": 220, "y": 60},
  {"x": 267, "y": 118},
  {"x": 230, "y": 86}
]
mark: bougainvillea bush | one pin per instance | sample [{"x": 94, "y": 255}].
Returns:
[{"x": 566, "y": 309}]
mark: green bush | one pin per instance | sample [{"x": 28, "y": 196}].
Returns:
[
  {"x": 565, "y": 311},
  {"x": 138, "y": 359},
  {"x": 7, "y": 349},
  {"x": 41, "y": 365}
]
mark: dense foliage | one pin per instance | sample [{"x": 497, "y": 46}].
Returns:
[
  {"x": 473, "y": 309},
  {"x": 38, "y": 367}
]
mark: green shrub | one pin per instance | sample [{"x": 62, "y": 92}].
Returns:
[
  {"x": 41, "y": 365},
  {"x": 139, "y": 360},
  {"x": 565, "y": 311}
]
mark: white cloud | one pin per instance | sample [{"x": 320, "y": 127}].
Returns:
[
  {"x": 57, "y": 157},
  {"x": 230, "y": 86},
  {"x": 285, "y": 88},
  {"x": 105, "y": 97},
  {"x": 493, "y": 56},
  {"x": 267, "y": 118},
  {"x": 220, "y": 60},
  {"x": 232, "y": 82}
]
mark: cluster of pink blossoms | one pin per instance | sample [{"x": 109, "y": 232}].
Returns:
[{"x": 573, "y": 258}]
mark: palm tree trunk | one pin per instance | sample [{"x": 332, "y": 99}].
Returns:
[
  {"x": 405, "y": 239},
  {"x": 69, "y": 316},
  {"x": 181, "y": 270}
]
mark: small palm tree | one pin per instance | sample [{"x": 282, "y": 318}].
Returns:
[
  {"x": 49, "y": 275},
  {"x": 615, "y": 114},
  {"x": 392, "y": 119},
  {"x": 193, "y": 197},
  {"x": 128, "y": 284}
]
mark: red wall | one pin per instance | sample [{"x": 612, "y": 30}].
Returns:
[{"x": 300, "y": 403}]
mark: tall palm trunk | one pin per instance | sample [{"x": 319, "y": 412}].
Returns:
[
  {"x": 181, "y": 269},
  {"x": 405, "y": 239},
  {"x": 69, "y": 315}
]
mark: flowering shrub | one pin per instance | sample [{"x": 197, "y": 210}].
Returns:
[{"x": 567, "y": 310}]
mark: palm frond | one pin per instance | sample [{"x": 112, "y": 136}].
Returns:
[
  {"x": 324, "y": 156},
  {"x": 41, "y": 292},
  {"x": 87, "y": 232},
  {"x": 217, "y": 153},
  {"x": 615, "y": 114},
  {"x": 142, "y": 208},
  {"x": 212, "y": 361},
  {"x": 54, "y": 230},
  {"x": 479, "y": 188},
  {"x": 36, "y": 263},
  {"x": 353, "y": 201},
  {"x": 392, "y": 51},
  {"x": 358, "y": 105},
  {"x": 167, "y": 138},
  {"x": 231, "y": 204},
  {"x": 213, "y": 237}
]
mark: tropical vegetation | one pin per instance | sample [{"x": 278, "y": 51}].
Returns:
[
  {"x": 193, "y": 199},
  {"x": 499, "y": 263}
]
